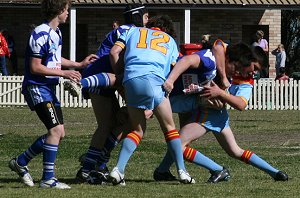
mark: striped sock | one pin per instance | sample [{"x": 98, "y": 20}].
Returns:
[
  {"x": 98, "y": 80},
  {"x": 174, "y": 145},
  {"x": 251, "y": 158},
  {"x": 194, "y": 156},
  {"x": 49, "y": 156},
  {"x": 91, "y": 158},
  {"x": 129, "y": 145},
  {"x": 35, "y": 149}
]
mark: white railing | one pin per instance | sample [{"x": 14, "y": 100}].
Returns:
[
  {"x": 268, "y": 94},
  {"x": 10, "y": 94}
]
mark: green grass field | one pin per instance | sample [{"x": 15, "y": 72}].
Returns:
[{"x": 273, "y": 135}]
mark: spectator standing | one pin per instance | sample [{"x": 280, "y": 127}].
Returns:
[
  {"x": 13, "y": 55},
  {"x": 261, "y": 41},
  {"x": 280, "y": 54},
  {"x": 3, "y": 53}
]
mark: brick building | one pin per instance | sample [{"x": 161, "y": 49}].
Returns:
[{"x": 90, "y": 20}]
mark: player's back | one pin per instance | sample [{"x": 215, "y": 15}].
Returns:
[
  {"x": 103, "y": 63},
  {"x": 110, "y": 40},
  {"x": 205, "y": 72},
  {"x": 148, "y": 51}
]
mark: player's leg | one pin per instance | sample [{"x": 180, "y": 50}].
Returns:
[
  {"x": 51, "y": 115},
  {"x": 163, "y": 113},
  {"x": 227, "y": 141},
  {"x": 162, "y": 172},
  {"x": 191, "y": 132},
  {"x": 130, "y": 143},
  {"x": 99, "y": 80},
  {"x": 104, "y": 108},
  {"x": 119, "y": 132},
  {"x": 94, "y": 81}
]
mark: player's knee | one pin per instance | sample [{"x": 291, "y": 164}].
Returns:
[
  {"x": 235, "y": 153},
  {"x": 58, "y": 132}
]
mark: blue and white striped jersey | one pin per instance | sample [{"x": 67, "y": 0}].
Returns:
[
  {"x": 46, "y": 44},
  {"x": 200, "y": 76}
]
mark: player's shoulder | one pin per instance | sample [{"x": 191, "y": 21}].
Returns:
[
  {"x": 124, "y": 28},
  {"x": 42, "y": 29}
]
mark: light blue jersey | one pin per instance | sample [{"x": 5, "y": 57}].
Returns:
[
  {"x": 46, "y": 44},
  {"x": 148, "y": 51},
  {"x": 148, "y": 58}
]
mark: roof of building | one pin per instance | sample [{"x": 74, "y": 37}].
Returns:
[{"x": 294, "y": 4}]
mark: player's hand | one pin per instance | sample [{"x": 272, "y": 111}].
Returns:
[
  {"x": 168, "y": 87},
  {"x": 225, "y": 84},
  {"x": 215, "y": 104},
  {"x": 88, "y": 60},
  {"x": 72, "y": 75},
  {"x": 212, "y": 91}
]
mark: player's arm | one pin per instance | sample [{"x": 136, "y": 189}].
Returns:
[
  {"x": 37, "y": 68},
  {"x": 189, "y": 61},
  {"x": 214, "y": 91},
  {"x": 116, "y": 58},
  {"x": 219, "y": 54},
  {"x": 68, "y": 64}
]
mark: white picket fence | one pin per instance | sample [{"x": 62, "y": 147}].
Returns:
[{"x": 268, "y": 94}]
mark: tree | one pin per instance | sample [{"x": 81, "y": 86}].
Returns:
[{"x": 291, "y": 38}]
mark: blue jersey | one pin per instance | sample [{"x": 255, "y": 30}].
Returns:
[
  {"x": 44, "y": 43},
  {"x": 148, "y": 51},
  {"x": 103, "y": 63},
  {"x": 201, "y": 75}
]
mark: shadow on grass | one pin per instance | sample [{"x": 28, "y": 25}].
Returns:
[{"x": 148, "y": 181}]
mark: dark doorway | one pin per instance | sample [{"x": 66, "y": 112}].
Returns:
[
  {"x": 248, "y": 32},
  {"x": 81, "y": 41}
]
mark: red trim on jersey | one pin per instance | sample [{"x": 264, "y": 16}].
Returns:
[{"x": 237, "y": 80}]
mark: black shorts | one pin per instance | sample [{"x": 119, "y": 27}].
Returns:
[{"x": 49, "y": 114}]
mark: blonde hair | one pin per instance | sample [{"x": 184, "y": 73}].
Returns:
[
  {"x": 260, "y": 33},
  {"x": 281, "y": 46}
]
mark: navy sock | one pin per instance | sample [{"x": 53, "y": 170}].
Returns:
[{"x": 35, "y": 149}]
